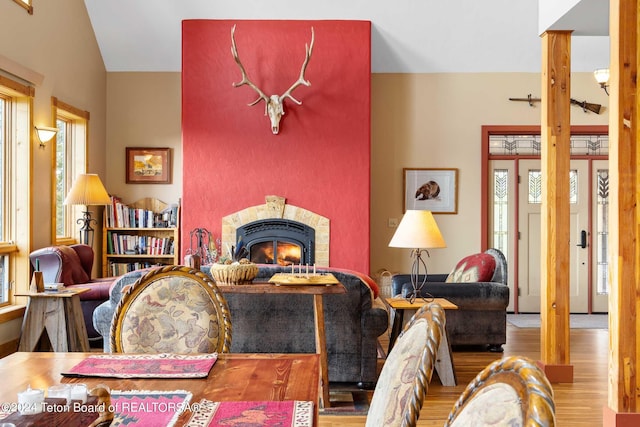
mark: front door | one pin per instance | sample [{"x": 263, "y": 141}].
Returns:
[{"x": 529, "y": 243}]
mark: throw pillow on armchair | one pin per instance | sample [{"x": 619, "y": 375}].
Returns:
[{"x": 473, "y": 268}]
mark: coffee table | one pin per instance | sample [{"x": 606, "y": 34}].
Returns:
[{"x": 444, "y": 363}]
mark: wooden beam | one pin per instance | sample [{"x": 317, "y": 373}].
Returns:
[
  {"x": 555, "y": 220},
  {"x": 624, "y": 216}
]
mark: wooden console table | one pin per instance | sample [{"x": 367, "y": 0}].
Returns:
[
  {"x": 318, "y": 314},
  {"x": 59, "y": 316},
  {"x": 444, "y": 363}
]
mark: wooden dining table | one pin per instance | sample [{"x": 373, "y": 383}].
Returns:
[{"x": 233, "y": 377}]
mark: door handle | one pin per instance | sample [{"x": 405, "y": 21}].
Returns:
[{"x": 583, "y": 239}]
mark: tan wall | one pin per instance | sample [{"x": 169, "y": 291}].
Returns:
[
  {"x": 144, "y": 110},
  {"x": 434, "y": 120}
]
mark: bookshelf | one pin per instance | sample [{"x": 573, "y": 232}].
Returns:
[{"x": 139, "y": 235}]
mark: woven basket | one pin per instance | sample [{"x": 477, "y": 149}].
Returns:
[{"x": 234, "y": 274}]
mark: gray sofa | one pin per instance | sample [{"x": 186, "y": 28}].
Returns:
[
  {"x": 481, "y": 318},
  {"x": 269, "y": 323}
]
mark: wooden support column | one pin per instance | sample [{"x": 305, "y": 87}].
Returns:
[
  {"x": 624, "y": 218},
  {"x": 555, "y": 220}
]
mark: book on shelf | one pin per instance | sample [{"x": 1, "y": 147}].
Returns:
[
  {"x": 121, "y": 215},
  {"x": 135, "y": 244},
  {"x": 120, "y": 268}
]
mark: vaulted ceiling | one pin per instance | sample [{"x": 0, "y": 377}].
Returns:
[{"x": 408, "y": 36}]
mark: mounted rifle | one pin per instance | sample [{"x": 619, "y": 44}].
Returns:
[{"x": 586, "y": 106}]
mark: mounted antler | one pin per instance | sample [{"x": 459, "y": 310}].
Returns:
[{"x": 274, "y": 106}]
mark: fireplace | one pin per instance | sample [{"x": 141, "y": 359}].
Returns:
[
  {"x": 278, "y": 241},
  {"x": 279, "y": 231}
]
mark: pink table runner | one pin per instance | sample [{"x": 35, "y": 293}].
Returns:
[
  {"x": 144, "y": 366},
  {"x": 148, "y": 408},
  {"x": 288, "y": 413}
]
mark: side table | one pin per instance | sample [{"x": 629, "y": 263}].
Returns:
[
  {"x": 444, "y": 363},
  {"x": 57, "y": 314}
]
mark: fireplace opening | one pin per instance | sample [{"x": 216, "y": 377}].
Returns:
[
  {"x": 276, "y": 252},
  {"x": 278, "y": 241}
]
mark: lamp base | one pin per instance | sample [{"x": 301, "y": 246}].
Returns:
[
  {"x": 416, "y": 283},
  {"x": 86, "y": 231}
]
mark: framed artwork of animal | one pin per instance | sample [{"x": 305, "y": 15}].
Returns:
[{"x": 434, "y": 190}]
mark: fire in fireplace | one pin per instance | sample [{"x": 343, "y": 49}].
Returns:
[{"x": 278, "y": 241}]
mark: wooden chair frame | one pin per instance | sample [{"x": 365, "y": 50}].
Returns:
[
  {"x": 434, "y": 316},
  {"x": 132, "y": 292},
  {"x": 534, "y": 390}
]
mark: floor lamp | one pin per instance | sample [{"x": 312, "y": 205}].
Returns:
[
  {"x": 417, "y": 231},
  {"x": 87, "y": 190}
]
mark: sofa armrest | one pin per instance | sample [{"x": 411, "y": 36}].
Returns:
[
  {"x": 375, "y": 320},
  {"x": 103, "y": 314}
]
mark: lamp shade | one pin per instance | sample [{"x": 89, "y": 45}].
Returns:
[
  {"x": 417, "y": 230},
  {"x": 87, "y": 189}
]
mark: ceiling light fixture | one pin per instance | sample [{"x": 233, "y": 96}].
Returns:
[{"x": 602, "y": 77}]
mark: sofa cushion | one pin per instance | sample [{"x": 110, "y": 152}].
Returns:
[{"x": 473, "y": 268}]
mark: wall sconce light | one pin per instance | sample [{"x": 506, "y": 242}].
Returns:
[
  {"x": 45, "y": 134},
  {"x": 602, "y": 77}
]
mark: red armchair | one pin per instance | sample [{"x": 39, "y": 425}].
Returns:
[{"x": 72, "y": 266}]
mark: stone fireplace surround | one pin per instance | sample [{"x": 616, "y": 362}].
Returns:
[{"x": 276, "y": 207}]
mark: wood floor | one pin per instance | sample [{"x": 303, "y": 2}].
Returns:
[{"x": 578, "y": 404}]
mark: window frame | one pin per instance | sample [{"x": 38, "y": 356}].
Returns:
[
  {"x": 76, "y": 158},
  {"x": 17, "y": 191}
]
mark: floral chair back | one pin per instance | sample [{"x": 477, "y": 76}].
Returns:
[
  {"x": 171, "y": 309},
  {"x": 405, "y": 376}
]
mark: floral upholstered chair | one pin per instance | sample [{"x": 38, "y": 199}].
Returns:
[
  {"x": 172, "y": 309},
  {"x": 404, "y": 380},
  {"x": 510, "y": 392}
]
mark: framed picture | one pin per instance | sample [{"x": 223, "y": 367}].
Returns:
[
  {"x": 147, "y": 165},
  {"x": 434, "y": 190}
]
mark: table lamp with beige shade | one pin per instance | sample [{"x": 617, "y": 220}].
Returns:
[
  {"x": 87, "y": 190},
  {"x": 419, "y": 232}
]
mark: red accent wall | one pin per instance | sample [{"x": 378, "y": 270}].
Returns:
[{"x": 319, "y": 161}]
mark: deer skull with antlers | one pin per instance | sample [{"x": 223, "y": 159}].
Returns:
[{"x": 274, "y": 106}]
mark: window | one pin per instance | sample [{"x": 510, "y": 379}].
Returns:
[
  {"x": 15, "y": 137},
  {"x": 70, "y": 160}
]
